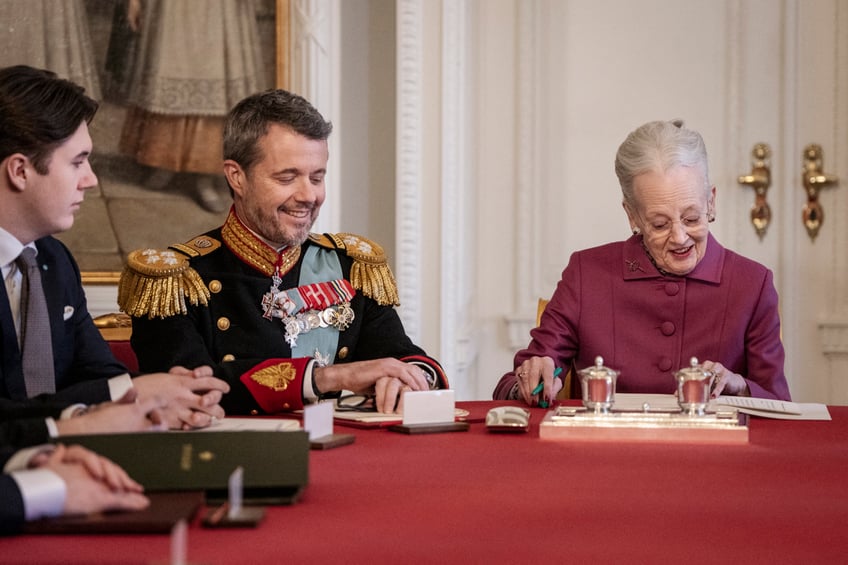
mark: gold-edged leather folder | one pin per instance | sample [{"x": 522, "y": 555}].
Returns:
[{"x": 276, "y": 464}]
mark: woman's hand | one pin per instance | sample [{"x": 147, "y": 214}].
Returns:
[
  {"x": 726, "y": 381},
  {"x": 533, "y": 371}
]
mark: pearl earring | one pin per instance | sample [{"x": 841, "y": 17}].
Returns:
[{"x": 636, "y": 231}]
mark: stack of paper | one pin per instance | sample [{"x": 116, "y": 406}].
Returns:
[{"x": 781, "y": 409}]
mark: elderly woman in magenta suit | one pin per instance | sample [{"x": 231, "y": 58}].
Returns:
[{"x": 668, "y": 293}]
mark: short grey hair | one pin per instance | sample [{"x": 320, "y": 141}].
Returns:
[
  {"x": 250, "y": 119},
  {"x": 658, "y": 147}
]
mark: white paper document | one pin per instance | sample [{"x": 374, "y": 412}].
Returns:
[
  {"x": 252, "y": 425},
  {"x": 762, "y": 404},
  {"x": 763, "y": 407},
  {"x": 368, "y": 417},
  {"x": 780, "y": 409}
]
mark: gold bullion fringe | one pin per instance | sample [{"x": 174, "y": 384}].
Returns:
[
  {"x": 160, "y": 296},
  {"x": 375, "y": 281}
]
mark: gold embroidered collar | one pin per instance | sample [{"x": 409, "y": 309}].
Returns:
[{"x": 255, "y": 252}]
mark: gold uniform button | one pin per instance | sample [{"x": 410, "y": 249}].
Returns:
[
  {"x": 254, "y": 412},
  {"x": 215, "y": 286},
  {"x": 228, "y": 357},
  {"x": 343, "y": 352},
  {"x": 223, "y": 323},
  {"x": 285, "y": 405}
]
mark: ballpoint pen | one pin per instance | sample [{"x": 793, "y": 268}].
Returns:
[{"x": 541, "y": 386}]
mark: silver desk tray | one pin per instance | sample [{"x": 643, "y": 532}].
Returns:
[{"x": 577, "y": 424}]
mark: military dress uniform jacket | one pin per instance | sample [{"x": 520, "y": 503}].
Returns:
[
  {"x": 613, "y": 302},
  {"x": 231, "y": 334},
  {"x": 83, "y": 362}
]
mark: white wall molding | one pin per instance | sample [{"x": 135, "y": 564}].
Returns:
[
  {"x": 527, "y": 181},
  {"x": 409, "y": 158},
  {"x": 457, "y": 350},
  {"x": 451, "y": 237},
  {"x": 518, "y": 330},
  {"x": 833, "y": 331},
  {"x": 840, "y": 160},
  {"x": 734, "y": 135},
  {"x": 834, "y": 337},
  {"x": 315, "y": 74}
]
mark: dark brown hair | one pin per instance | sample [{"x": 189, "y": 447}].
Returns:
[{"x": 38, "y": 112}]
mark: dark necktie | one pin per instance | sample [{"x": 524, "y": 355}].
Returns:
[{"x": 36, "y": 342}]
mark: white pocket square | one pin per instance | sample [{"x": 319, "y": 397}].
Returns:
[{"x": 69, "y": 311}]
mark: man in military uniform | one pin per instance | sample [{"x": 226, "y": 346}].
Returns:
[{"x": 285, "y": 316}]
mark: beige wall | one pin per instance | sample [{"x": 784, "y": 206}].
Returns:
[{"x": 367, "y": 121}]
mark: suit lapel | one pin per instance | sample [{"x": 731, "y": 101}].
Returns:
[
  {"x": 53, "y": 291},
  {"x": 11, "y": 373}
]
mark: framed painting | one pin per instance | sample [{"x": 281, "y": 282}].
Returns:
[{"x": 165, "y": 72}]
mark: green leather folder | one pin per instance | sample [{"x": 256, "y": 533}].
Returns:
[{"x": 276, "y": 464}]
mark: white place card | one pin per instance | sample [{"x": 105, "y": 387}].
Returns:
[
  {"x": 428, "y": 407},
  {"x": 235, "y": 490},
  {"x": 318, "y": 420}
]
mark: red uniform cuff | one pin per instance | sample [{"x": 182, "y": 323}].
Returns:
[{"x": 276, "y": 384}]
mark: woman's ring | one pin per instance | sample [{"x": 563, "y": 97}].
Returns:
[{"x": 716, "y": 378}]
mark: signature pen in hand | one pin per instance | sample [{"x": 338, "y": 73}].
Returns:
[{"x": 541, "y": 386}]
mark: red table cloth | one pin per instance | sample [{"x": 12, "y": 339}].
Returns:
[{"x": 481, "y": 497}]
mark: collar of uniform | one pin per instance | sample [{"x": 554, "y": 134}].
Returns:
[
  {"x": 248, "y": 247},
  {"x": 636, "y": 264}
]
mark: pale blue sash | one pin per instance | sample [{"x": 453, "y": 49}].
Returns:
[{"x": 319, "y": 265}]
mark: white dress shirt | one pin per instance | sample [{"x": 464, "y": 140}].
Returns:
[
  {"x": 42, "y": 490},
  {"x": 10, "y": 249}
]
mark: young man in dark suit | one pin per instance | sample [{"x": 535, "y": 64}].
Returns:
[{"x": 44, "y": 173}]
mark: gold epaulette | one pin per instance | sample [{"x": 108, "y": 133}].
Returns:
[
  {"x": 370, "y": 273},
  {"x": 155, "y": 282}
]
